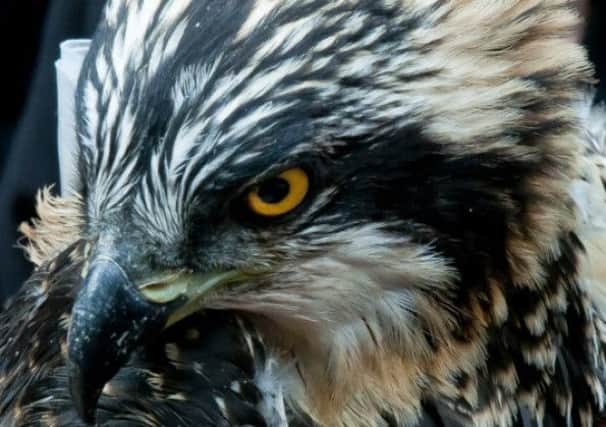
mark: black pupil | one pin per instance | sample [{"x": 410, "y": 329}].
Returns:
[{"x": 274, "y": 190}]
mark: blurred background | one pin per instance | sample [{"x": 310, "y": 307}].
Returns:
[{"x": 30, "y": 33}]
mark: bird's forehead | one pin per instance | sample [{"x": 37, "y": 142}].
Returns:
[
  {"x": 176, "y": 92},
  {"x": 198, "y": 68}
]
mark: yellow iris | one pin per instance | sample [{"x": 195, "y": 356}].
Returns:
[{"x": 280, "y": 195}]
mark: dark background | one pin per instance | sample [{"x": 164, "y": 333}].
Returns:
[{"x": 30, "y": 33}]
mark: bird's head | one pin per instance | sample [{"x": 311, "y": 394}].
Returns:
[{"x": 366, "y": 180}]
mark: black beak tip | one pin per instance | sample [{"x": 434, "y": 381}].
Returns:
[{"x": 84, "y": 398}]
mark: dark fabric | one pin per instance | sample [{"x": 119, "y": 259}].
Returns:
[
  {"x": 30, "y": 157},
  {"x": 596, "y": 41},
  {"x": 17, "y": 59}
]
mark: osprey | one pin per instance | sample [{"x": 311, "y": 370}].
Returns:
[{"x": 332, "y": 213}]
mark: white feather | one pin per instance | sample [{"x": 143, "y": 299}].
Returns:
[
  {"x": 272, "y": 404},
  {"x": 589, "y": 195}
]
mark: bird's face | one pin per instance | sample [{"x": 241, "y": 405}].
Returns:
[{"x": 358, "y": 177}]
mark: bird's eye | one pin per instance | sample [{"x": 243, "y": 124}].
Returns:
[{"x": 279, "y": 195}]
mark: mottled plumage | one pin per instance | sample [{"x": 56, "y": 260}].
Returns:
[{"x": 444, "y": 267}]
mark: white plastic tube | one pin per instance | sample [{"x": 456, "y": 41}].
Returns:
[{"x": 68, "y": 66}]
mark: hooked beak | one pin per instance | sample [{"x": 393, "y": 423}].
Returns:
[{"x": 112, "y": 316}]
